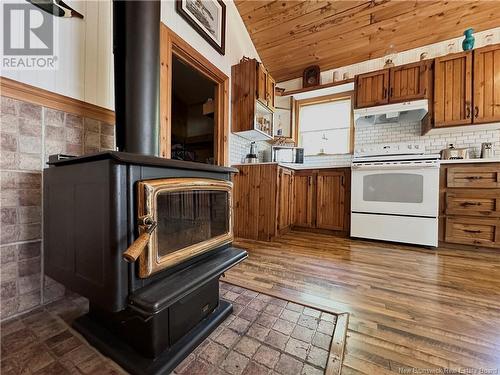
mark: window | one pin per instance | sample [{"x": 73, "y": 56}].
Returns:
[{"x": 325, "y": 125}]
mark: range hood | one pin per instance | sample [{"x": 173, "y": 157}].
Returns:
[{"x": 392, "y": 113}]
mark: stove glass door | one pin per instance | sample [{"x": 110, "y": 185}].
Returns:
[{"x": 192, "y": 216}]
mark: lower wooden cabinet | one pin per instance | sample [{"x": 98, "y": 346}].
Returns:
[
  {"x": 470, "y": 204},
  {"x": 286, "y": 201},
  {"x": 304, "y": 198},
  {"x": 262, "y": 201},
  {"x": 322, "y": 199},
  {"x": 269, "y": 200}
]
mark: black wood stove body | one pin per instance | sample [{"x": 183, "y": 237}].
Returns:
[
  {"x": 146, "y": 324},
  {"x": 144, "y": 238}
]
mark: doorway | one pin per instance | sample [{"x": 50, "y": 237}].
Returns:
[
  {"x": 192, "y": 114},
  {"x": 187, "y": 115}
]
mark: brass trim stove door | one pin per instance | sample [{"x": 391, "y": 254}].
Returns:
[{"x": 150, "y": 261}]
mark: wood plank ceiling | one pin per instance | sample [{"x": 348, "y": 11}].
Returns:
[{"x": 290, "y": 35}]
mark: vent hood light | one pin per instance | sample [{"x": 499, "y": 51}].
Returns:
[{"x": 391, "y": 113}]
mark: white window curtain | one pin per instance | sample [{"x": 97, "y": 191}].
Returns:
[{"x": 325, "y": 128}]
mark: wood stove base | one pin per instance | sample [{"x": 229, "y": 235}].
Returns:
[{"x": 112, "y": 346}]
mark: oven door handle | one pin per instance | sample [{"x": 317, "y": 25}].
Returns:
[
  {"x": 135, "y": 250},
  {"x": 383, "y": 168}
]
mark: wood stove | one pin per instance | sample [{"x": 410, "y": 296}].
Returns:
[{"x": 144, "y": 238}]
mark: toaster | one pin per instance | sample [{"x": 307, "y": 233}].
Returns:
[{"x": 455, "y": 153}]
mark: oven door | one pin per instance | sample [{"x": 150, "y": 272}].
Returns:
[
  {"x": 192, "y": 216},
  {"x": 409, "y": 189}
]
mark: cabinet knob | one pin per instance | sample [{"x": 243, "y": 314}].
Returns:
[
  {"x": 476, "y": 111},
  {"x": 468, "y": 111}
]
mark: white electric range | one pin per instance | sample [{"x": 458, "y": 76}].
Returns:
[{"x": 395, "y": 193}]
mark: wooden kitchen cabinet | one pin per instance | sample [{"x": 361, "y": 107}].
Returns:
[
  {"x": 410, "y": 82},
  {"x": 262, "y": 78},
  {"x": 262, "y": 201},
  {"x": 486, "y": 84},
  {"x": 286, "y": 201},
  {"x": 271, "y": 93},
  {"x": 330, "y": 201},
  {"x": 372, "y": 89},
  {"x": 252, "y": 100},
  {"x": 470, "y": 204},
  {"x": 304, "y": 198},
  {"x": 322, "y": 199},
  {"x": 453, "y": 90}
]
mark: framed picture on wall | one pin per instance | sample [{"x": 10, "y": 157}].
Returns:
[{"x": 208, "y": 18}]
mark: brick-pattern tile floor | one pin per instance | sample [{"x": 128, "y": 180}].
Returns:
[{"x": 264, "y": 335}]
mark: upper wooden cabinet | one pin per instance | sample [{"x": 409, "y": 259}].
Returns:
[
  {"x": 398, "y": 84},
  {"x": 410, "y": 82},
  {"x": 253, "y": 100},
  {"x": 372, "y": 89},
  {"x": 486, "y": 84},
  {"x": 453, "y": 90}
]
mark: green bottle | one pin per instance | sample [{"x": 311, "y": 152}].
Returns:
[{"x": 469, "y": 40}]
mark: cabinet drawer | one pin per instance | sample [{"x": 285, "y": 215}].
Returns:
[
  {"x": 474, "y": 177},
  {"x": 473, "y": 231},
  {"x": 473, "y": 202}
]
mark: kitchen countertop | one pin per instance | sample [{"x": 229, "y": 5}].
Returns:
[
  {"x": 297, "y": 167},
  {"x": 467, "y": 161}
]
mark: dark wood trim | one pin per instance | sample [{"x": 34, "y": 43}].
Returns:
[
  {"x": 318, "y": 87},
  {"x": 31, "y": 94},
  {"x": 222, "y": 48},
  {"x": 172, "y": 44},
  {"x": 337, "y": 347}
]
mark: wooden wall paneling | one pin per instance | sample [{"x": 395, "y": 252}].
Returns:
[
  {"x": 364, "y": 28},
  {"x": 453, "y": 90},
  {"x": 487, "y": 84},
  {"x": 35, "y": 95},
  {"x": 172, "y": 44}
]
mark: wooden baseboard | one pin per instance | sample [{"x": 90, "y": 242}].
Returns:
[
  {"x": 31, "y": 94},
  {"x": 337, "y": 233}
]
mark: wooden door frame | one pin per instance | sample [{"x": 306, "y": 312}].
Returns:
[{"x": 172, "y": 44}]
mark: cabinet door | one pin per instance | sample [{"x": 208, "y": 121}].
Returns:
[
  {"x": 410, "y": 82},
  {"x": 453, "y": 90},
  {"x": 285, "y": 196},
  {"x": 487, "y": 84},
  {"x": 372, "y": 89},
  {"x": 304, "y": 194},
  {"x": 330, "y": 207},
  {"x": 261, "y": 84},
  {"x": 271, "y": 88}
]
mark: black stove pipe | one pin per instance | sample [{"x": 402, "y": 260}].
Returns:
[{"x": 136, "y": 49}]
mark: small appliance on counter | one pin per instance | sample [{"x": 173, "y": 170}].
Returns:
[
  {"x": 252, "y": 156},
  {"x": 287, "y": 154},
  {"x": 452, "y": 153},
  {"x": 487, "y": 151}
]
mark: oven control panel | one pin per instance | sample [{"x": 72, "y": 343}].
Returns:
[{"x": 413, "y": 148}]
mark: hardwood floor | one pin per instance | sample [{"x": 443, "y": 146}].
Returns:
[{"x": 409, "y": 307}]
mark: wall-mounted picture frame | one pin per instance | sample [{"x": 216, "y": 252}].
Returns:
[{"x": 208, "y": 18}]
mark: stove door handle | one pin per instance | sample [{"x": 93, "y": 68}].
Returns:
[{"x": 135, "y": 250}]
